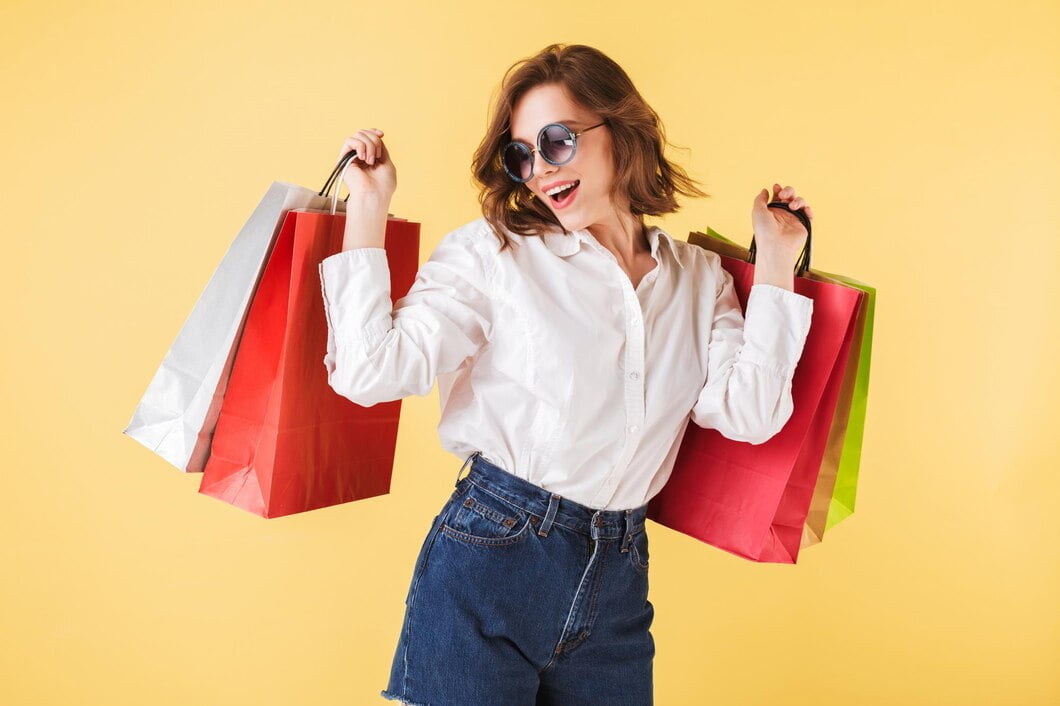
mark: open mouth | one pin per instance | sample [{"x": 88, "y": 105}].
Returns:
[{"x": 564, "y": 197}]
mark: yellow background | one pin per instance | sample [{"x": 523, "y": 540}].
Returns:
[{"x": 139, "y": 137}]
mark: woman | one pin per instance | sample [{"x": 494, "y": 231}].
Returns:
[{"x": 573, "y": 344}]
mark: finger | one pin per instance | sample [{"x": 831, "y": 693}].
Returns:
[
  {"x": 352, "y": 144},
  {"x": 357, "y": 143},
  {"x": 346, "y": 147},
  {"x": 369, "y": 147},
  {"x": 379, "y": 151},
  {"x": 761, "y": 199},
  {"x": 373, "y": 144},
  {"x": 782, "y": 194},
  {"x": 383, "y": 154}
]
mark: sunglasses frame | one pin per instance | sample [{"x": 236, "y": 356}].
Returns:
[{"x": 533, "y": 149}]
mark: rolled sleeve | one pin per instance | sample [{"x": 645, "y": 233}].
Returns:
[
  {"x": 378, "y": 352},
  {"x": 356, "y": 290},
  {"x": 751, "y": 360},
  {"x": 775, "y": 327}
]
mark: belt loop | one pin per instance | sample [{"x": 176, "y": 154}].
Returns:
[
  {"x": 466, "y": 461},
  {"x": 550, "y": 514},
  {"x": 629, "y": 531},
  {"x": 594, "y": 525}
]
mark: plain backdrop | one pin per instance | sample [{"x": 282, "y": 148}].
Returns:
[{"x": 137, "y": 138}]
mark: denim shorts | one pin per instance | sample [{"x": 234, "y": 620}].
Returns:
[{"x": 521, "y": 597}]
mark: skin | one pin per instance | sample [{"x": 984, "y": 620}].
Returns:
[
  {"x": 611, "y": 224},
  {"x": 779, "y": 236}
]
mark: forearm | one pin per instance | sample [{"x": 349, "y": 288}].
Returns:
[
  {"x": 365, "y": 224},
  {"x": 752, "y": 353},
  {"x": 775, "y": 268}
]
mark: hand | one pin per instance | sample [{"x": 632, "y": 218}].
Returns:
[
  {"x": 370, "y": 174},
  {"x": 776, "y": 231}
]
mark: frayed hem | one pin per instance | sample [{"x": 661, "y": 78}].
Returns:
[{"x": 394, "y": 697}]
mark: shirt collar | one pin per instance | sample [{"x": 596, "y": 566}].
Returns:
[{"x": 566, "y": 244}]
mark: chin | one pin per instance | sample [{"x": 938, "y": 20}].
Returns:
[
  {"x": 572, "y": 225},
  {"x": 573, "y": 221}
]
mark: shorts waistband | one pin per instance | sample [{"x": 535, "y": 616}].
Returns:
[{"x": 603, "y": 524}]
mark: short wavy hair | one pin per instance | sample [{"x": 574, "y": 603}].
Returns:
[{"x": 599, "y": 84}]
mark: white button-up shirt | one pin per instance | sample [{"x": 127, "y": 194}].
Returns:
[{"x": 554, "y": 367}]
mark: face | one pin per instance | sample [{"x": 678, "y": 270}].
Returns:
[{"x": 592, "y": 166}]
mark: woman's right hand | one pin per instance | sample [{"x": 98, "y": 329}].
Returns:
[{"x": 370, "y": 174}]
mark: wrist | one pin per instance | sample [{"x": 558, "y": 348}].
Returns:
[
  {"x": 365, "y": 225},
  {"x": 369, "y": 206},
  {"x": 775, "y": 269}
]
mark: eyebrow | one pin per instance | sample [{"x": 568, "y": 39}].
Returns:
[{"x": 574, "y": 124}]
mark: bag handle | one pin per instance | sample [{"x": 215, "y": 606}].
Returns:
[
  {"x": 335, "y": 179},
  {"x": 340, "y": 171},
  {"x": 802, "y": 266}
]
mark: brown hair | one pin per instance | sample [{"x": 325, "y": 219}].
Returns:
[{"x": 598, "y": 84}]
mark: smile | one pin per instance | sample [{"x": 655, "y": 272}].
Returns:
[{"x": 563, "y": 198}]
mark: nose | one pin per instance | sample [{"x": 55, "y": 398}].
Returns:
[{"x": 542, "y": 167}]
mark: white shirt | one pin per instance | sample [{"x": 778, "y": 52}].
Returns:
[{"x": 553, "y": 367}]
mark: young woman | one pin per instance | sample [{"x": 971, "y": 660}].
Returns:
[{"x": 572, "y": 343}]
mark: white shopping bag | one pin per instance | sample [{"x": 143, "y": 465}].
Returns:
[{"x": 177, "y": 414}]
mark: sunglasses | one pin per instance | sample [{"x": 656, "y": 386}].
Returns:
[{"x": 556, "y": 142}]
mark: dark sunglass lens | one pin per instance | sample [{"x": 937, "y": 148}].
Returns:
[
  {"x": 517, "y": 160},
  {"x": 557, "y": 144}
]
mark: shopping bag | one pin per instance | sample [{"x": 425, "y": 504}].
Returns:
[
  {"x": 833, "y": 498},
  {"x": 285, "y": 441},
  {"x": 835, "y": 491},
  {"x": 176, "y": 415},
  {"x": 752, "y": 500},
  {"x": 841, "y": 501},
  {"x": 817, "y": 515}
]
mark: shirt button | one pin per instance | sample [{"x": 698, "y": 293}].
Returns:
[
  {"x": 634, "y": 375},
  {"x": 634, "y": 428}
]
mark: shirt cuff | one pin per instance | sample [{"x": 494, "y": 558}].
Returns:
[
  {"x": 355, "y": 284},
  {"x": 776, "y": 324}
]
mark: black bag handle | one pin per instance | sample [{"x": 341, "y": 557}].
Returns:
[
  {"x": 335, "y": 173},
  {"x": 803, "y": 263}
]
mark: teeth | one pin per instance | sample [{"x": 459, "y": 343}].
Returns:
[{"x": 553, "y": 192}]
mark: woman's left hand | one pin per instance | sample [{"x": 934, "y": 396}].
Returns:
[{"x": 777, "y": 231}]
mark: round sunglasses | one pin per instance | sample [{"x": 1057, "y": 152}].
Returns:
[{"x": 556, "y": 142}]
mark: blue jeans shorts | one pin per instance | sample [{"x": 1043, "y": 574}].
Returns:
[{"x": 521, "y": 597}]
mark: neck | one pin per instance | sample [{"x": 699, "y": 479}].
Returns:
[{"x": 623, "y": 234}]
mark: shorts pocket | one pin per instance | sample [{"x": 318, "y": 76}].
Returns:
[
  {"x": 483, "y": 518},
  {"x": 638, "y": 550}
]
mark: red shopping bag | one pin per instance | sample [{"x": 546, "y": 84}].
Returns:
[
  {"x": 752, "y": 500},
  {"x": 285, "y": 441}
]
